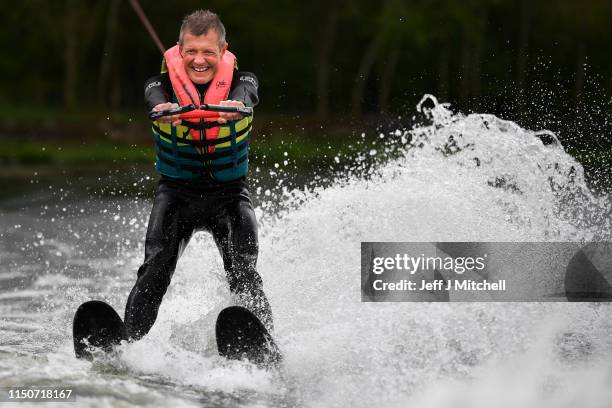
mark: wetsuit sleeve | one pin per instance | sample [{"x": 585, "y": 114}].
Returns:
[
  {"x": 156, "y": 90},
  {"x": 244, "y": 88}
]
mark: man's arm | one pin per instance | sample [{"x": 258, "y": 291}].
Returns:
[
  {"x": 242, "y": 93},
  {"x": 245, "y": 88},
  {"x": 157, "y": 97},
  {"x": 156, "y": 91}
]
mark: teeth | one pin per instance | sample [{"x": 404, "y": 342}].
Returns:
[{"x": 200, "y": 69}]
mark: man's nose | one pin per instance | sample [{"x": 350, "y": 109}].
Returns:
[{"x": 199, "y": 59}]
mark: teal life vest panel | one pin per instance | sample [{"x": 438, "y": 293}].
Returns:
[{"x": 224, "y": 158}]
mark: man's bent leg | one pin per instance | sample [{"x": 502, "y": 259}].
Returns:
[
  {"x": 235, "y": 233},
  {"x": 167, "y": 235}
]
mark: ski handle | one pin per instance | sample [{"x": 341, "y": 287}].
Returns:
[{"x": 205, "y": 111}]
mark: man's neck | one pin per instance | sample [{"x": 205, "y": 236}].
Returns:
[{"x": 202, "y": 88}]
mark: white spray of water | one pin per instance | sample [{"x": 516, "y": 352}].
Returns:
[{"x": 462, "y": 178}]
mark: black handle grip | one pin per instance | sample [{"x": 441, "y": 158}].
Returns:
[
  {"x": 245, "y": 111},
  {"x": 154, "y": 115}
]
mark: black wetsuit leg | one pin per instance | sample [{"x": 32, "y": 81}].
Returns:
[
  {"x": 178, "y": 211},
  {"x": 169, "y": 230},
  {"x": 234, "y": 230}
]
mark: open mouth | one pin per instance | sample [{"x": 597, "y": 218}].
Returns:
[{"x": 200, "y": 69}]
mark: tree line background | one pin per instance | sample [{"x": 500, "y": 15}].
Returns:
[{"x": 543, "y": 64}]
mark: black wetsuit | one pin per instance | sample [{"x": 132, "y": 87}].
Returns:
[{"x": 183, "y": 207}]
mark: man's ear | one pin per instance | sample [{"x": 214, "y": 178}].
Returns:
[{"x": 224, "y": 48}]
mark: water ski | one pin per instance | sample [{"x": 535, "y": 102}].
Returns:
[
  {"x": 96, "y": 324},
  {"x": 241, "y": 335}
]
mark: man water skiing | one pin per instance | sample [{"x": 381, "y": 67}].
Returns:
[{"x": 203, "y": 168}]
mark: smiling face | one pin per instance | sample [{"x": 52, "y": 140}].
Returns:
[{"x": 201, "y": 56}]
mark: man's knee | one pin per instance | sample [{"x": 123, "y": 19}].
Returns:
[{"x": 245, "y": 280}]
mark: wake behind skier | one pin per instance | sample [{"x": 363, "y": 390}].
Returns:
[{"x": 203, "y": 168}]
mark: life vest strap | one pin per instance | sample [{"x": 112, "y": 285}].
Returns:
[
  {"x": 205, "y": 168},
  {"x": 175, "y": 146},
  {"x": 208, "y": 156},
  {"x": 200, "y": 126},
  {"x": 202, "y": 143},
  {"x": 234, "y": 147}
]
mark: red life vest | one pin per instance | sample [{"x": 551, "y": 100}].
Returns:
[{"x": 218, "y": 90}]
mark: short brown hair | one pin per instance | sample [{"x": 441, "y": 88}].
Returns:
[{"x": 200, "y": 22}]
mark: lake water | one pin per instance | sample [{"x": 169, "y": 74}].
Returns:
[{"x": 462, "y": 178}]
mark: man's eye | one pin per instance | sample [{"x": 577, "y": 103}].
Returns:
[{"x": 190, "y": 52}]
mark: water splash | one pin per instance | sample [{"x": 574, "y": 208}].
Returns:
[{"x": 453, "y": 178}]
